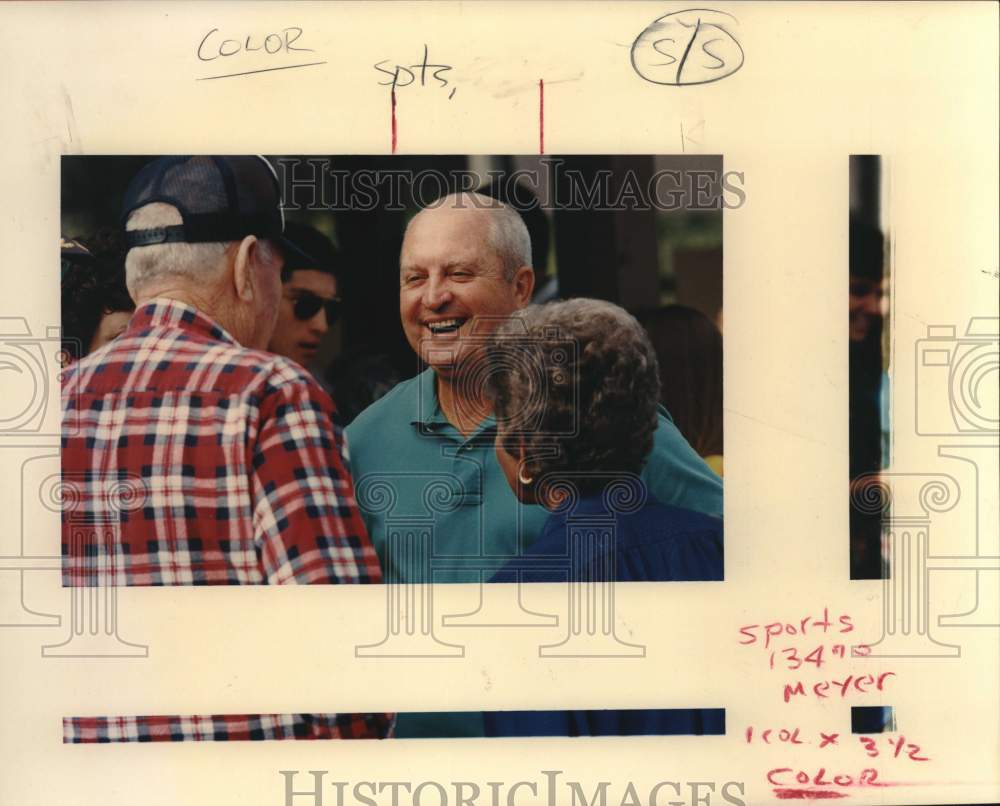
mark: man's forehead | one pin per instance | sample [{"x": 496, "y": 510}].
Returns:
[{"x": 447, "y": 235}]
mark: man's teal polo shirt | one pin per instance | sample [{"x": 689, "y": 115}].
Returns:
[
  {"x": 417, "y": 478},
  {"x": 415, "y": 473}
]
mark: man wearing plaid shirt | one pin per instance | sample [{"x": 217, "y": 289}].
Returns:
[{"x": 241, "y": 468}]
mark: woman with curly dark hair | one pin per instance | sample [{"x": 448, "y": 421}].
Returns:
[
  {"x": 96, "y": 305},
  {"x": 575, "y": 388}
]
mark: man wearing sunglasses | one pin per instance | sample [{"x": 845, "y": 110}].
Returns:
[{"x": 309, "y": 304}]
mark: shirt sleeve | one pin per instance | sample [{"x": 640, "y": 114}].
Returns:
[
  {"x": 678, "y": 476},
  {"x": 307, "y": 528}
]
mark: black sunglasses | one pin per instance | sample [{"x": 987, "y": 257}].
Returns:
[{"x": 306, "y": 305}]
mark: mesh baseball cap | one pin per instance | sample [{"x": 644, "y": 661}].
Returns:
[{"x": 219, "y": 199}]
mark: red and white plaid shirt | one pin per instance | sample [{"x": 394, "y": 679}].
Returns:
[{"x": 190, "y": 460}]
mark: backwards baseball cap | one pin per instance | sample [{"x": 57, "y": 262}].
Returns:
[
  {"x": 325, "y": 257},
  {"x": 219, "y": 199}
]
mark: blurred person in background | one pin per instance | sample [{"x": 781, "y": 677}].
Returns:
[
  {"x": 96, "y": 305},
  {"x": 689, "y": 351},
  {"x": 868, "y": 400},
  {"x": 357, "y": 378},
  {"x": 309, "y": 304}
]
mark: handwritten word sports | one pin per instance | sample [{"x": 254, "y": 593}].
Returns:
[
  {"x": 406, "y": 75},
  {"x": 807, "y": 626}
]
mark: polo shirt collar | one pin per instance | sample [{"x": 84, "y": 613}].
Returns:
[
  {"x": 172, "y": 313},
  {"x": 427, "y": 412}
]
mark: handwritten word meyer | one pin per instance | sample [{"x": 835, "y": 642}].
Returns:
[
  {"x": 819, "y": 690},
  {"x": 406, "y": 75}
]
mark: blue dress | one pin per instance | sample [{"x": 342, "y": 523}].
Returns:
[{"x": 653, "y": 543}]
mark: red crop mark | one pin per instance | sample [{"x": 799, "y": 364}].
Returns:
[
  {"x": 807, "y": 794},
  {"x": 541, "y": 116},
  {"x": 392, "y": 96}
]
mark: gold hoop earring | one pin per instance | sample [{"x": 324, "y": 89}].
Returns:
[{"x": 525, "y": 481}]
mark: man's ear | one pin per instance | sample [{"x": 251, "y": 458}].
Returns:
[
  {"x": 244, "y": 281},
  {"x": 524, "y": 285}
]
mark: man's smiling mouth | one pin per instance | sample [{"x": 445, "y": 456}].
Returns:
[{"x": 444, "y": 326}]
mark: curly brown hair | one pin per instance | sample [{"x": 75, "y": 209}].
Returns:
[{"x": 579, "y": 376}]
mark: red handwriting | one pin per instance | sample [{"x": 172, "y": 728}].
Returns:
[
  {"x": 807, "y": 794},
  {"x": 541, "y": 116},
  {"x": 783, "y": 735},
  {"x": 790, "y": 658},
  {"x": 898, "y": 746},
  {"x": 392, "y": 124},
  {"x": 912, "y": 750},
  {"x": 784, "y": 776},
  {"x": 819, "y": 690},
  {"x": 806, "y": 626}
]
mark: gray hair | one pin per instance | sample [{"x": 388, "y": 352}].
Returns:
[
  {"x": 195, "y": 262},
  {"x": 581, "y": 375},
  {"x": 509, "y": 238},
  {"x": 508, "y": 235}
]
